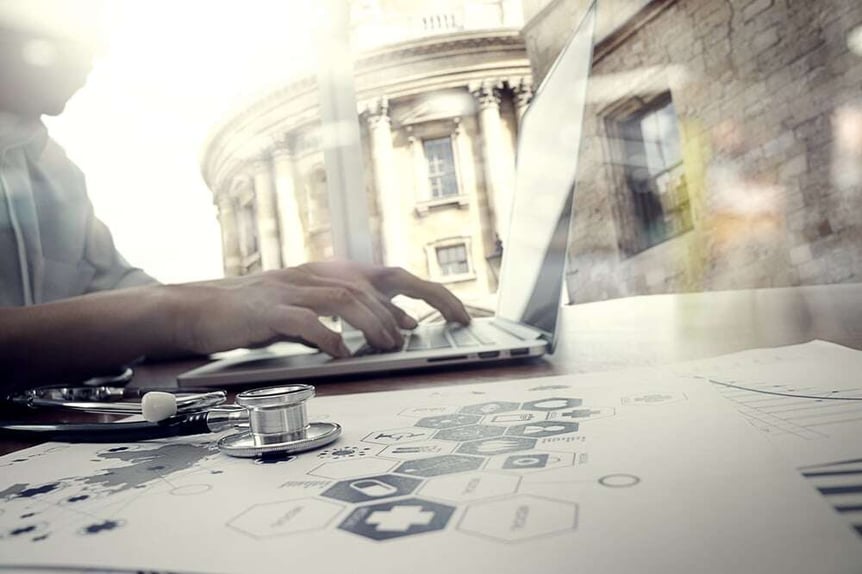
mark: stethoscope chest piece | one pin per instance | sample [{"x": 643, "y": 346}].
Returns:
[{"x": 278, "y": 424}]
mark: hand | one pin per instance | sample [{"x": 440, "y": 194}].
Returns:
[{"x": 286, "y": 305}]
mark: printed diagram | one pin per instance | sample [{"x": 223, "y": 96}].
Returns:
[
  {"x": 459, "y": 468},
  {"x": 471, "y": 469},
  {"x": 797, "y": 410}
]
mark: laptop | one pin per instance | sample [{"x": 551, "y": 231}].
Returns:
[{"x": 534, "y": 254}]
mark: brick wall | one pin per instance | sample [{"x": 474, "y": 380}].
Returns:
[{"x": 769, "y": 100}]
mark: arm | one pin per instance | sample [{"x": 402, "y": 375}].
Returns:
[
  {"x": 73, "y": 338},
  {"x": 82, "y": 335}
]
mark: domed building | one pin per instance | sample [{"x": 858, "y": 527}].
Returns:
[{"x": 439, "y": 94}]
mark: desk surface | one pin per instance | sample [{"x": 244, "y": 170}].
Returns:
[{"x": 637, "y": 331}]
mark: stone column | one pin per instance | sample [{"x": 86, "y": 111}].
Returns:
[
  {"x": 479, "y": 223},
  {"x": 392, "y": 214},
  {"x": 231, "y": 256},
  {"x": 493, "y": 158},
  {"x": 523, "y": 89},
  {"x": 267, "y": 215},
  {"x": 293, "y": 251}
]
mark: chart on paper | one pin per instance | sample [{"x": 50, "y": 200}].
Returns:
[
  {"x": 519, "y": 476},
  {"x": 806, "y": 398},
  {"x": 805, "y": 411}
]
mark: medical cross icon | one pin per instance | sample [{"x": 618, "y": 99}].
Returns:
[
  {"x": 394, "y": 519},
  {"x": 400, "y": 518}
]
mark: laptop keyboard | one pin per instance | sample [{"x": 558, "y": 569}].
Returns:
[{"x": 437, "y": 336}]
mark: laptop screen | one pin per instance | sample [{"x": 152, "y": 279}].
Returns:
[{"x": 534, "y": 253}]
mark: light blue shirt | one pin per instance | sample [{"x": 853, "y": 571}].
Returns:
[{"x": 51, "y": 244}]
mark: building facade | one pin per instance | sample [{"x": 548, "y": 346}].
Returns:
[
  {"x": 723, "y": 143},
  {"x": 438, "y": 103}
]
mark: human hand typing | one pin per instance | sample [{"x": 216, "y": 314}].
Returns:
[
  {"x": 285, "y": 305},
  {"x": 83, "y": 335}
]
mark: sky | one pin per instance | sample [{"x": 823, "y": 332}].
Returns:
[{"x": 169, "y": 73}]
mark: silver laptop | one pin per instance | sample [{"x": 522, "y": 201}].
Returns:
[{"x": 534, "y": 254}]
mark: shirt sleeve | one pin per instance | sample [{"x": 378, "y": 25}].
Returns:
[{"x": 112, "y": 271}]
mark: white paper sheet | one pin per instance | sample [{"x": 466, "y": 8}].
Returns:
[
  {"x": 807, "y": 399},
  {"x": 635, "y": 471}
]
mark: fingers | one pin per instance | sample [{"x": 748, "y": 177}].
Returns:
[
  {"x": 378, "y": 319},
  {"x": 394, "y": 281},
  {"x": 301, "y": 323},
  {"x": 404, "y": 320},
  {"x": 360, "y": 295},
  {"x": 360, "y": 310}
]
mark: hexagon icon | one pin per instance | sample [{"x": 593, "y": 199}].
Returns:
[
  {"x": 519, "y": 518},
  {"x": 533, "y": 461},
  {"x": 428, "y": 411},
  {"x": 470, "y": 487},
  {"x": 397, "y": 518},
  {"x": 497, "y": 445},
  {"x": 448, "y": 421},
  {"x": 286, "y": 517},
  {"x": 353, "y": 468},
  {"x": 439, "y": 465},
  {"x": 472, "y": 432},
  {"x": 582, "y": 414},
  {"x": 413, "y": 450},
  {"x": 514, "y": 418},
  {"x": 542, "y": 429},
  {"x": 552, "y": 404},
  {"x": 399, "y": 435},
  {"x": 490, "y": 408},
  {"x": 371, "y": 488}
]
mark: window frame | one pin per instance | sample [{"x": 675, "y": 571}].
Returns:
[
  {"x": 633, "y": 237},
  {"x": 418, "y": 134},
  {"x": 450, "y": 174},
  {"x": 435, "y": 270}
]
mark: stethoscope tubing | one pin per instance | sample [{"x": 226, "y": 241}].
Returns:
[
  {"x": 56, "y": 398},
  {"x": 187, "y": 424}
]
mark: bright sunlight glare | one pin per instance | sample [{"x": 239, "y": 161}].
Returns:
[{"x": 168, "y": 74}]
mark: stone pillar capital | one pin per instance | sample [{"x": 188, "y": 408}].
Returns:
[
  {"x": 259, "y": 163},
  {"x": 487, "y": 94},
  {"x": 523, "y": 89},
  {"x": 283, "y": 148},
  {"x": 377, "y": 113},
  {"x": 240, "y": 188}
]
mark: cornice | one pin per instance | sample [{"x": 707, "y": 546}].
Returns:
[
  {"x": 300, "y": 98},
  {"x": 442, "y": 44}
]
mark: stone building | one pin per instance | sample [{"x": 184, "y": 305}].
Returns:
[
  {"x": 440, "y": 89},
  {"x": 723, "y": 143}
]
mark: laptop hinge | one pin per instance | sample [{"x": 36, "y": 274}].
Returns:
[{"x": 519, "y": 330}]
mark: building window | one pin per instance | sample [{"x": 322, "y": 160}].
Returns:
[
  {"x": 452, "y": 260},
  {"x": 440, "y": 158},
  {"x": 656, "y": 195}
]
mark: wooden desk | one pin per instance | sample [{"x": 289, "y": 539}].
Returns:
[{"x": 637, "y": 331}]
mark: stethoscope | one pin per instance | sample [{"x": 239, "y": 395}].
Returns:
[{"x": 270, "y": 420}]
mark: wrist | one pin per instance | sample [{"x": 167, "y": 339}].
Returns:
[{"x": 176, "y": 309}]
